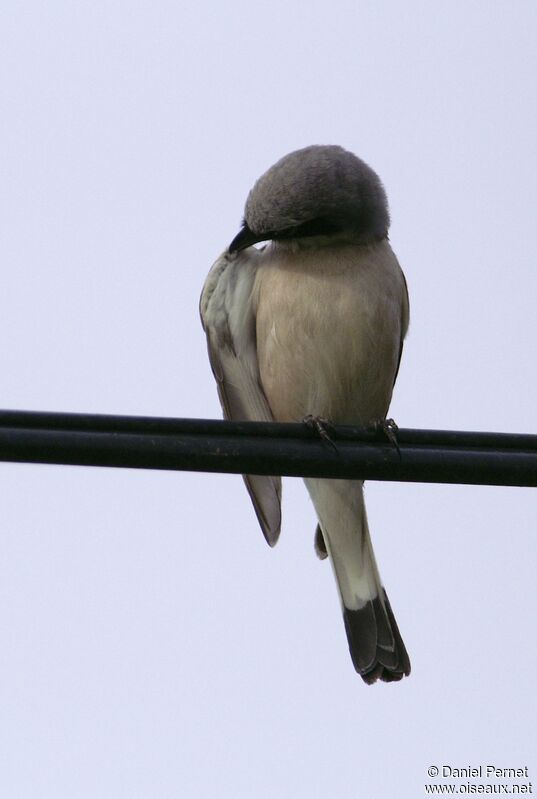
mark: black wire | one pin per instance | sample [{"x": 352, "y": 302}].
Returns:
[{"x": 267, "y": 448}]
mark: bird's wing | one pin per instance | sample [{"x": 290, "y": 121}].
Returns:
[
  {"x": 405, "y": 315},
  {"x": 227, "y": 309}
]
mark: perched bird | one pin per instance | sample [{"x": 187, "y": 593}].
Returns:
[{"x": 312, "y": 326}]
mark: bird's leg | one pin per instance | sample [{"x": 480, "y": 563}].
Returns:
[
  {"x": 320, "y": 426},
  {"x": 390, "y": 430}
]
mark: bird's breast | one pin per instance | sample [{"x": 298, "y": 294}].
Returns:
[{"x": 329, "y": 325}]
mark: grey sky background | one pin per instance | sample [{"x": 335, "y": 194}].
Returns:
[{"x": 151, "y": 645}]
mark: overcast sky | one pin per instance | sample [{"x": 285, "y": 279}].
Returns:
[{"x": 151, "y": 645}]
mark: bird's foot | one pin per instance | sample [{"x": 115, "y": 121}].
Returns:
[
  {"x": 320, "y": 427},
  {"x": 390, "y": 430}
]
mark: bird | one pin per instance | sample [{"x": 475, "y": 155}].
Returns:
[{"x": 309, "y": 325}]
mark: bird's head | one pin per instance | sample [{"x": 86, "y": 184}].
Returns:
[{"x": 322, "y": 190}]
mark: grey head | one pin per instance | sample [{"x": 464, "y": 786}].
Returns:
[{"x": 321, "y": 190}]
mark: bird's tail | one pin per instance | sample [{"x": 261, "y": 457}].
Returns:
[{"x": 375, "y": 644}]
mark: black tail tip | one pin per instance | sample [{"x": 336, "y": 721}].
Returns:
[{"x": 375, "y": 643}]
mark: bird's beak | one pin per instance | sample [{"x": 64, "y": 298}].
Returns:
[{"x": 245, "y": 238}]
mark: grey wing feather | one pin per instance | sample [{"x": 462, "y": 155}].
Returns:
[
  {"x": 405, "y": 314},
  {"x": 227, "y": 309}
]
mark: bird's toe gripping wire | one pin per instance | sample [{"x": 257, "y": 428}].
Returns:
[
  {"x": 321, "y": 427},
  {"x": 390, "y": 430}
]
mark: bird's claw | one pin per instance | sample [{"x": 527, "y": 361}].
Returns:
[
  {"x": 320, "y": 426},
  {"x": 390, "y": 430}
]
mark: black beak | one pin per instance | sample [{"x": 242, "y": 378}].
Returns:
[{"x": 245, "y": 238}]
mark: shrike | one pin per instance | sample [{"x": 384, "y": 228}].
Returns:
[{"x": 312, "y": 325}]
